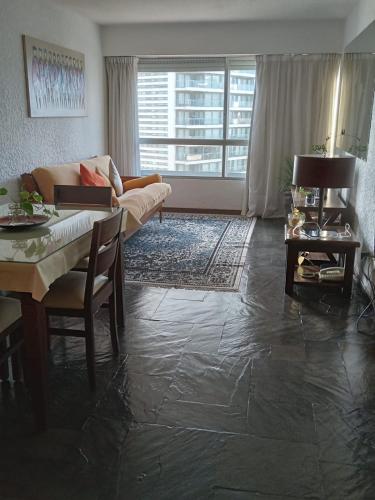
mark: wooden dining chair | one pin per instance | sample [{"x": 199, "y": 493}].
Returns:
[
  {"x": 90, "y": 197},
  {"x": 11, "y": 337},
  {"x": 82, "y": 197},
  {"x": 81, "y": 294}
]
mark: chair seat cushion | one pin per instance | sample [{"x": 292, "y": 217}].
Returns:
[
  {"x": 10, "y": 311},
  {"x": 68, "y": 292}
]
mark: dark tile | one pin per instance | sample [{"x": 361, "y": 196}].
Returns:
[
  {"x": 347, "y": 481},
  {"x": 145, "y": 394},
  {"x": 227, "y": 494},
  {"x": 282, "y": 420},
  {"x": 153, "y": 365},
  {"x": 280, "y": 380},
  {"x": 141, "y": 301},
  {"x": 239, "y": 333},
  {"x": 154, "y": 456},
  {"x": 204, "y": 339},
  {"x": 211, "y": 311},
  {"x": 48, "y": 466},
  {"x": 212, "y": 379},
  {"x": 270, "y": 466},
  {"x": 191, "y": 415},
  {"x": 360, "y": 365},
  {"x": 289, "y": 352},
  {"x": 153, "y": 338},
  {"x": 346, "y": 437},
  {"x": 185, "y": 294}
]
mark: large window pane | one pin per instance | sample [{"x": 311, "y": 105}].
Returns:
[
  {"x": 236, "y": 161},
  {"x": 172, "y": 104},
  {"x": 190, "y": 105},
  {"x": 181, "y": 159}
]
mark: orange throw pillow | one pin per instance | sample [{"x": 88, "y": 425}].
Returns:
[{"x": 90, "y": 178}]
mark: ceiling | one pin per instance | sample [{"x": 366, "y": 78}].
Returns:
[{"x": 153, "y": 11}]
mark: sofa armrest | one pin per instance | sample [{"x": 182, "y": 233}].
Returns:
[{"x": 132, "y": 182}]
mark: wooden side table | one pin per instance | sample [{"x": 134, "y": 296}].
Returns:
[
  {"x": 329, "y": 246},
  {"x": 333, "y": 208}
]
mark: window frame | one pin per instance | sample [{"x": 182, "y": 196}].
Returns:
[{"x": 225, "y": 142}]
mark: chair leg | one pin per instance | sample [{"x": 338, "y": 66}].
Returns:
[
  {"x": 119, "y": 283},
  {"x": 90, "y": 350},
  {"x": 161, "y": 215},
  {"x": 4, "y": 368},
  {"x": 15, "y": 359},
  {"x": 113, "y": 323}
]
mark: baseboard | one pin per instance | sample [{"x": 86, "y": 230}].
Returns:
[{"x": 201, "y": 211}]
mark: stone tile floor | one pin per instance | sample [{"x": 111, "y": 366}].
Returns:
[{"x": 249, "y": 395}]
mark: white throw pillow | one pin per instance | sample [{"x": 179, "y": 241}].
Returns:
[{"x": 115, "y": 179}]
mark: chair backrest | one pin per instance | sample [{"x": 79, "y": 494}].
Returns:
[
  {"x": 76, "y": 196},
  {"x": 104, "y": 250}
]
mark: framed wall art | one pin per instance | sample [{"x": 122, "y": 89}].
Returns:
[{"x": 56, "y": 79}]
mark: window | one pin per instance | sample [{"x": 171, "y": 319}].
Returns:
[{"x": 195, "y": 115}]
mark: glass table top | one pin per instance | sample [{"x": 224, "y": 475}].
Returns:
[{"x": 31, "y": 245}]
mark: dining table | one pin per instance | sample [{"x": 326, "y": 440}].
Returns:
[{"x": 31, "y": 259}]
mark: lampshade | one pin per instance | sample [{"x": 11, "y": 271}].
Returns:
[{"x": 324, "y": 172}]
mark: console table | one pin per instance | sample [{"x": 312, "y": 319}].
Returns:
[{"x": 321, "y": 250}]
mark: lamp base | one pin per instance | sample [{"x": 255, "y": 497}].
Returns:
[{"x": 320, "y": 209}]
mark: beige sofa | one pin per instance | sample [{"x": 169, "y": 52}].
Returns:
[{"x": 141, "y": 202}]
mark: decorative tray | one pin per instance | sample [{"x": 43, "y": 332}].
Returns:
[{"x": 23, "y": 221}]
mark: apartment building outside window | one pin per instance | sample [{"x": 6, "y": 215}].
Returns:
[{"x": 195, "y": 115}]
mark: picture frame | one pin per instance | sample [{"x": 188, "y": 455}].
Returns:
[{"x": 55, "y": 80}]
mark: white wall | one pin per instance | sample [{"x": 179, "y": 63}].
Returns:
[
  {"x": 361, "y": 16},
  {"x": 363, "y": 194},
  {"x": 259, "y": 37},
  {"x": 28, "y": 142},
  {"x": 216, "y": 194}
]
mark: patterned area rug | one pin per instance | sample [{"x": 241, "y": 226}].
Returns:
[{"x": 189, "y": 251}]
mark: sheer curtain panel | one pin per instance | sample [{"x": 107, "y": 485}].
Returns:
[
  {"x": 123, "y": 113},
  {"x": 293, "y": 110}
]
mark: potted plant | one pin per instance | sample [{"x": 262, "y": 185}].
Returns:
[{"x": 27, "y": 205}]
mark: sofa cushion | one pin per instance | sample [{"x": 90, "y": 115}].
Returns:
[
  {"x": 141, "y": 182},
  {"x": 139, "y": 201},
  {"x": 46, "y": 178},
  {"x": 106, "y": 180},
  {"x": 100, "y": 162},
  {"x": 115, "y": 179},
  {"x": 90, "y": 178}
]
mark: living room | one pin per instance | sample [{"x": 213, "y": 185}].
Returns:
[{"x": 230, "y": 381}]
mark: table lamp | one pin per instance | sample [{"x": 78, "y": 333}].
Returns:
[{"x": 323, "y": 172}]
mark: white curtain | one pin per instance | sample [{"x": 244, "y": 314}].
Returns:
[
  {"x": 293, "y": 110},
  {"x": 123, "y": 113},
  {"x": 356, "y": 98}
]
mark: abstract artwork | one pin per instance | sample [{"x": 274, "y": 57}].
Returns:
[{"x": 56, "y": 81}]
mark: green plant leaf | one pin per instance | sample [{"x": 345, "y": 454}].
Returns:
[
  {"x": 37, "y": 197},
  {"x": 24, "y": 195},
  {"x": 3, "y": 191},
  {"x": 27, "y": 207}
]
